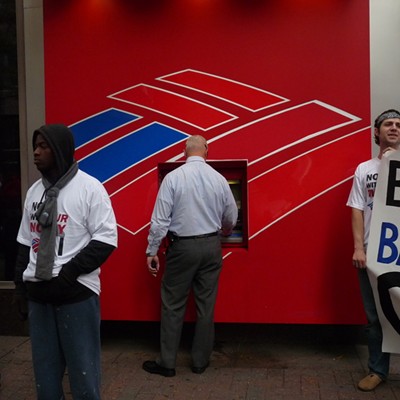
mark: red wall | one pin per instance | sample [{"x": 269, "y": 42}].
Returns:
[{"x": 302, "y": 149}]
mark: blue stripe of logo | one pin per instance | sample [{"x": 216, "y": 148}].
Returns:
[
  {"x": 99, "y": 124},
  {"x": 131, "y": 149}
]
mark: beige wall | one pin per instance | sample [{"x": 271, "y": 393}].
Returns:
[
  {"x": 385, "y": 56},
  {"x": 31, "y": 81}
]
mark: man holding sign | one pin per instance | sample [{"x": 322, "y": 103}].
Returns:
[{"x": 387, "y": 136}]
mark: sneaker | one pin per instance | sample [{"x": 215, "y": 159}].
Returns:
[{"x": 369, "y": 383}]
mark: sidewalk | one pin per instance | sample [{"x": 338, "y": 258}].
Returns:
[{"x": 250, "y": 362}]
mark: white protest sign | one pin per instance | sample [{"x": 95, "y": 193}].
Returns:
[{"x": 383, "y": 254}]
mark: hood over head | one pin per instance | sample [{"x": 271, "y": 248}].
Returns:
[{"x": 61, "y": 141}]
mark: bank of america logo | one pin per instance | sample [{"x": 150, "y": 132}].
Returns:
[{"x": 146, "y": 124}]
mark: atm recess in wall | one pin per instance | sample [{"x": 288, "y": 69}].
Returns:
[{"x": 235, "y": 172}]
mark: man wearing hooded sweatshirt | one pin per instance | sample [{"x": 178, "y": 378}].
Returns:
[{"x": 68, "y": 230}]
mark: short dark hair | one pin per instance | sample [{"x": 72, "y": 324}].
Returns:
[{"x": 391, "y": 113}]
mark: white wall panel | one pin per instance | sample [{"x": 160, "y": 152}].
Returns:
[{"x": 385, "y": 56}]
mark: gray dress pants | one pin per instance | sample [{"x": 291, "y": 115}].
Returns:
[{"x": 191, "y": 264}]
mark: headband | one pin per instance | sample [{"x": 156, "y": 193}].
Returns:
[{"x": 387, "y": 115}]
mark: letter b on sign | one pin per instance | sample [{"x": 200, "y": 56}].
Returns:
[
  {"x": 393, "y": 184},
  {"x": 387, "y": 252}
]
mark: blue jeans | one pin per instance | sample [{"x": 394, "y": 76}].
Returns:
[
  {"x": 66, "y": 336},
  {"x": 378, "y": 362}
]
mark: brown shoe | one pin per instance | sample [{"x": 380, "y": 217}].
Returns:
[{"x": 369, "y": 383}]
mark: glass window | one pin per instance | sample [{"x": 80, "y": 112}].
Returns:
[{"x": 10, "y": 175}]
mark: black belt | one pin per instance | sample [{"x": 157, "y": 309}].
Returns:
[{"x": 205, "y": 235}]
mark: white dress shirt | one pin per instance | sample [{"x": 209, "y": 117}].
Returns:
[{"x": 193, "y": 199}]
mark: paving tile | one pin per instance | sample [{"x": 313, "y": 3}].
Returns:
[{"x": 254, "y": 362}]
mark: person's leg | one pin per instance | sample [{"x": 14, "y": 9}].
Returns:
[
  {"x": 378, "y": 362},
  {"x": 79, "y": 329},
  {"x": 47, "y": 355},
  {"x": 205, "y": 287},
  {"x": 175, "y": 289}
]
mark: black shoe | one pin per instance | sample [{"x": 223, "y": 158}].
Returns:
[
  {"x": 153, "y": 368},
  {"x": 200, "y": 370}
]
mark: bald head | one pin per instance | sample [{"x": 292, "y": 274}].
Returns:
[{"x": 196, "y": 145}]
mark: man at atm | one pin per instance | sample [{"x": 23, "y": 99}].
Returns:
[{"x": 194, "y": 206}]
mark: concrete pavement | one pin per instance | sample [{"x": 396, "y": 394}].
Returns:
[{"x": 249, "y": 362}]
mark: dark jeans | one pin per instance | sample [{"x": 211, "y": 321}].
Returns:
[
  {"x": 378, "y": 362},
  {"x": 66, "y": 336}
]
